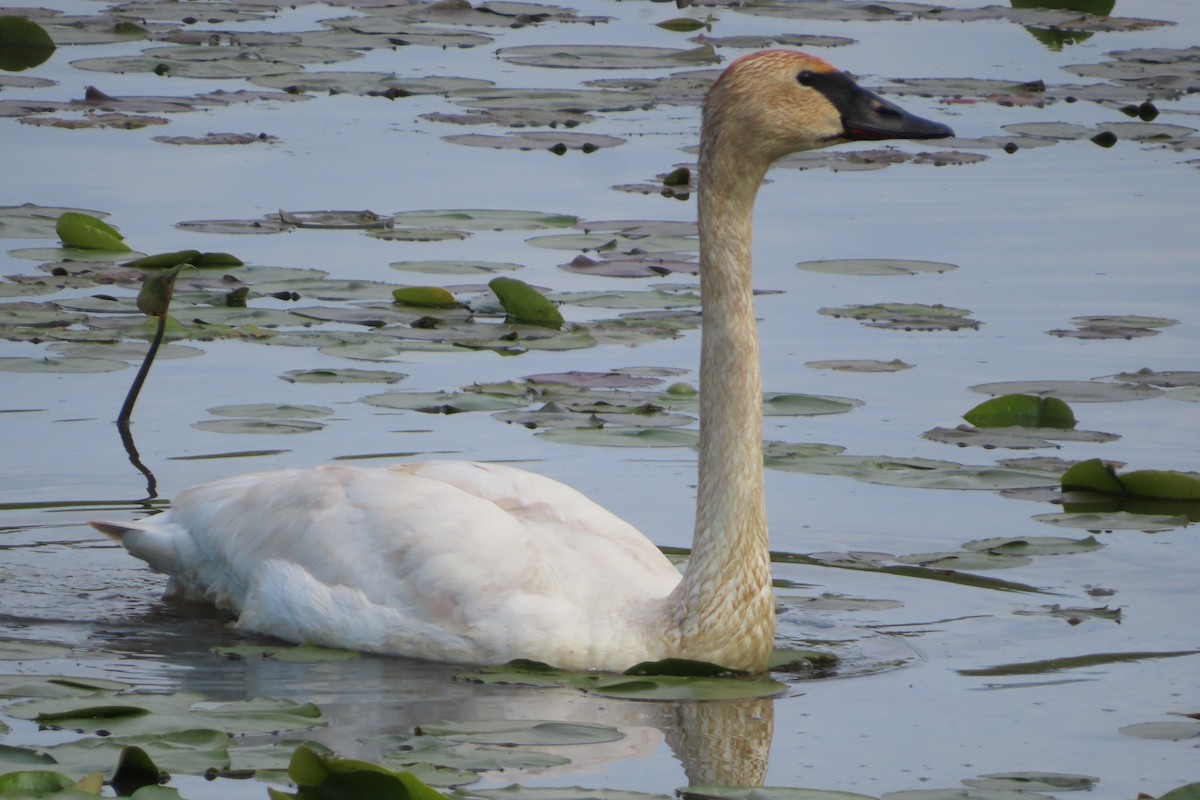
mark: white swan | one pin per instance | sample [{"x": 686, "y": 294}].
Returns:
[{"x": 482, "y": 563}]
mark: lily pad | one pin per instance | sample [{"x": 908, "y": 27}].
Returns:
[
  {"x": 189, "y": 752},
  {"x": 607, "y": 56},
  {"x": 1071, "y": 391},
  {"x": 271, "y": 411},
  {"x": 916, "y": 472},
  {"x": 764, "y": 793},
  {"x": 140, "y": 714},
  {"x": 87, "y": 232},
  {"x": 623, "y": 437},
  {"x": 906, "y": 316},
  {"x": 258, "y": 426},
  {"x": 455, "y": 267},
  {"x": 23, "y": 650},
  {"x": 1025, "y": 410},
  {"x": 1170, "y": 731},
  {"x": 1034, "y": 781},
  {"x": 786, "y": 404},
  {"x": 877, "y": 267},
  {"x": 860, "y": 365},
  {"x": 515, "y": 733},
  {"x": 556, "y": 142},
  {"x": 442, "y": 402},
  {"x": 342, "y": 376},
  {"x": 1073, "y": 662},
  {"x": 295, "y": 653},
  {"x": 23, "y": 43},
  {"x": 474, "y": 219},
  {"x": 1034, "y": 545},
  {"x": 1096, "y": 476},
  {"x": 524, "y": 304},
  {"x": 77, "y": 365},
  {"x": 1114, "y": 521}
]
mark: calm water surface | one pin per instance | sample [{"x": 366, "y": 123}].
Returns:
[{"x": 1039, "y": 237}]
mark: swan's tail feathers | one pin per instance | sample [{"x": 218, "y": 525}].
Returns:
[
  {"x": 155, "y": 543},
  {"x": 113, "y": 530}
]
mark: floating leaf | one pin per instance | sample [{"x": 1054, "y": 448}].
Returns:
[
  {"x": 342, "y": 376},
  {"x": 1024, "y": 410},
  {"x": 786, "y": 404},
  {"x": 860, "y": 365},
  {"x": 89, "y": 233},
  {"x": 875, "y": 266},
  {"x": 1171, "y": 731},
  {"x": 294, "y": 653},
  {"x": 325, "y": 777},
  {"x": 186, "y": 751},
  {"x": 1034, "y": 782},
  {"x": 425, "y": 297},
  {"x": 1072, "y": 662},
  {"x": 968, "y": 560},
  {"x": 1115, "y": 521},
  {"x": 61, "y": 365},
  {"x": 906, "y": 316},
  {"x": 23, "y": 43},
  {"x": 1096, "y": 476},
  {"x": 524, "y": 304},
  {"x": 1072, "y": 391},
  {"x": 623, "y": 437},
  {"x": 455, "y": 267},
  {"x": 258, "y": 426},
  {"x": 472, "y": 219},
  {"x": 1034, "y": 545},
  {"x": 442, "y": 402},
  {"x": 557, "y": 143},
  {"x": 763, "y": 793},
  {"x": 271, "y": 411},
  {"x": 609, "y": 56},
  {"x": 522, "y": 732}
]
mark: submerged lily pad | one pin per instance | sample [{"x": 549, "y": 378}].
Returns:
[
  {"x": 75, "y": 365},
  {"x": 860, "y": 365},
  {"x": 258, "y": 426},
  {"x": 764, "y": 793},
  {"x": 455, "y": 267},
  {"x": 342, "y": 376},
  {"x": 474, "y": 219},
  {"x": 1170, "y": 731}
]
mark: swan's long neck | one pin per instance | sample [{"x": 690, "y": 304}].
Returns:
[{"x": 724, "y": 607}]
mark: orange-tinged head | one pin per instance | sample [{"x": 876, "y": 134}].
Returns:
[{"x": 776, "y": 102}]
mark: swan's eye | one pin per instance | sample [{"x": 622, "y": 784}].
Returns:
[{"x": 806, "y": 78}]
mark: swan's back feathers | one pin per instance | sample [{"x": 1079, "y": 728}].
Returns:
[{"x": 445, "y": 560}]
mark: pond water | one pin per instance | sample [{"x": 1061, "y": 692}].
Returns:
[{"x": 1059, "y": 229}]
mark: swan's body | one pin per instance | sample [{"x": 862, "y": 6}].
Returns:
[{"x": 479, "y": 563}]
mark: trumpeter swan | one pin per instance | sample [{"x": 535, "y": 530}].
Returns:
[{"x": 482, "y": 563}]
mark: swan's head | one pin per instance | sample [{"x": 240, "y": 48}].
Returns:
[{"x": 777, "y": 102}]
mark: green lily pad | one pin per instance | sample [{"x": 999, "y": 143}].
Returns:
[
  {"x": 342, "y": 376},
  {"x": 425, "y": 297},
  {"x": 1014, "y": 438},
  {"x": 524, "y": 304},
  {"x": 1023, "y": 410},
  {"x": 875, "y": 267},
  {"x": 676, "y": 687},
  {"x": 14, "y": 759},
  {"x": 607, "y": 56},
  {"x": 1096, "y": 476},
  {"x": 514, "y": 733},
  {"x": 318, "y": 775},
  {"x": 617, "y": 242},
  {"x": 34, "y": 783},
  {"x": 89, "y": 233},
  {"x": 23, "y": 43}
]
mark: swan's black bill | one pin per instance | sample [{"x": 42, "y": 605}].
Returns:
[{"x": 867, "y": 116}]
